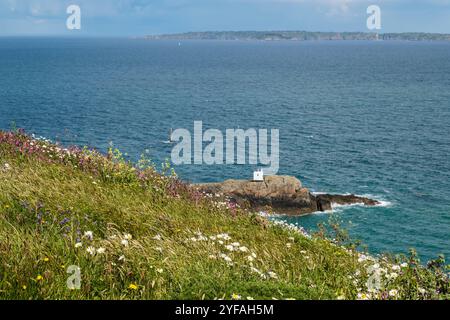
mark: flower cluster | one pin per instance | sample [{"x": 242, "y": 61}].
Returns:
[{"x": 232, "y": 253}]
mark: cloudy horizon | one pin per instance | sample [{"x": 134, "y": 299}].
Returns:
[{"x": 143, "y": 17}]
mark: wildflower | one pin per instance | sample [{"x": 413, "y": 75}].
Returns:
[
  {"x": 393, "y": 275},
  {"x": 133, "y": 286},
  {"x": 404, "y": 265},
  {"x": 90, "y": 250},
  {"x": 226, "y": 258},
  {"x": 121, "y": 258},
  {"x": 393, "y": 293},
  {"x": 124, "y": 242},
  {"x": 362, "y": 258},
  {"x": 159, "y": 270},
  {"x": 89, "y": 235},
  {"x": 229, "y": 247},
  {"x": 24, "y": 287},
  {"x": 422, "y": 290},
  {"x": 101, "y": 250},
  {"x": 127, "y": 236},
  {"x": 211, "y": 256},
  {"x": 159, "y": 249},
  {"x": 78, "y": 245},
  {"x": 288, "y": 245},
  {"x": 250, "y": 298},
  {"x": 363, "y": 296},
  {"x": 46, "y": 259},
  {"x": 291, "y": 239},
  {"x": 396, "y": 267},
  {"x": 39, "y": 278},
  {"x": 235, "y": 244},
  {"x": 254, "y": 255},
  {"x": 223, "y": 236},
  {"x": 273, "y": 275},
  {"x": 235, "y": 296},
  {"x": 250, "y": 258},
  {"x": 243, "y": 249},
  {"x": 340, "y": 297},
  {"x": 157, "y": 237}
]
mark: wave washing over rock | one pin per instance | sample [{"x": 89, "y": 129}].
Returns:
[{"x": 283, "y": 194}]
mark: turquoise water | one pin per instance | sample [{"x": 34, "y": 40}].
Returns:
[{"x": 371, "y": 118}]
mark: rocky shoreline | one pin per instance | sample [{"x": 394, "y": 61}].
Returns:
[{"x": 281, "y": 194}]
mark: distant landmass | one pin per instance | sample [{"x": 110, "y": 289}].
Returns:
[{"x": 299, "y": 36}]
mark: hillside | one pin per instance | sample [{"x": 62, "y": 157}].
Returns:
[
  {"x": 300, "y": 36},
  {"x": 136, "y": 233}
]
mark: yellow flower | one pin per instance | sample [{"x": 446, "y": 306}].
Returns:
[
  {"x": 133, "y": 286},
  {"x": 39, "y": 278},
  {"x": 235, "y": 296},
  {"x": 46, "y": 259},
  {"x": 24, "y": 287}
]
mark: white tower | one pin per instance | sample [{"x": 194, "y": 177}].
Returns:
[{"x": 258, "y": 175}]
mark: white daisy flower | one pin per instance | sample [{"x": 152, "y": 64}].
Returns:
[
  {"x": 101, "y": 250},
  {"x": 229, "y": 247},
  {"x": 393, "y": 293},
  {"x": 89, "y": 235},
  {"x": 127, "y": 236}
]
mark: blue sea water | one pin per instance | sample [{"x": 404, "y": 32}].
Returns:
[{"x": 370, "y": 118}]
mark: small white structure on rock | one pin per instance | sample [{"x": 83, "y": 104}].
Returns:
[{"x": 258, "y": 175}]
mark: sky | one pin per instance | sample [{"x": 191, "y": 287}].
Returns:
[{"x": 143, "y": 17}]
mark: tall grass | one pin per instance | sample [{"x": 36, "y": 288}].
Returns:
[{"x": 135, "y": 233}]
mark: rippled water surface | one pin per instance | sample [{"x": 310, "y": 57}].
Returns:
[{"x": 370, "y": 118}]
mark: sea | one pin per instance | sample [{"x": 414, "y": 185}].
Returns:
[{"x": 367, "y": 118}]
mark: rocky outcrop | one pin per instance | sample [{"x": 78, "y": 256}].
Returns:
[{"x": 282, "y": 194}]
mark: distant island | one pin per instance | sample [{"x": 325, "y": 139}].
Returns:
[{"x": 299, "y": 36}]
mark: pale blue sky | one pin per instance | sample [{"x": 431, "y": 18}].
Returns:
[{"x": 140, "y": 17}]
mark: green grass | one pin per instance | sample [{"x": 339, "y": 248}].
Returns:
[{"x": 159, "y": 240}]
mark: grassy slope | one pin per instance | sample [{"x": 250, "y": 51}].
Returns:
[{"x": 49, "y": 198}]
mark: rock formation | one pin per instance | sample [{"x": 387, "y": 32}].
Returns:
[{"x": 282, "y": 194}]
